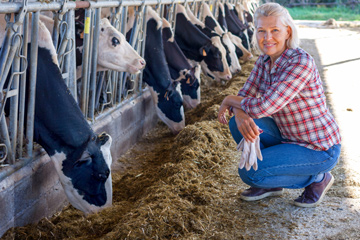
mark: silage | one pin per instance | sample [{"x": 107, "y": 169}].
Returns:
[{"x": 172, "y": 187}]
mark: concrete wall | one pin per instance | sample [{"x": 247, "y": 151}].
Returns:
[{"x": 34, "y": 191}]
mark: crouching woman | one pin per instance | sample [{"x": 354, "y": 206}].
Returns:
[{"x": 284, "y": 97}]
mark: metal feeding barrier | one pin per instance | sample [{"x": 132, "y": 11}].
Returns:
[{"x": 98, "y": 94}]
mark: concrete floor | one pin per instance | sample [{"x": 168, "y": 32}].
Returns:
[{"x": 337, "y": 54}]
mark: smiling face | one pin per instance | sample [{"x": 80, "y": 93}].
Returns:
[{"x": 271, "y": 36}]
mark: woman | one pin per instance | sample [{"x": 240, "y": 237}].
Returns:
[{"x": 284, "y": 97}]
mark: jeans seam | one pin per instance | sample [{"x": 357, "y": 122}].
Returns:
[{"x": 287, "y": 166}]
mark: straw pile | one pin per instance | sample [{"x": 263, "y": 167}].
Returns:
[{"x": 172, "y": 187}]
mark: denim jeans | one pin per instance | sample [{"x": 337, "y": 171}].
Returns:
[{"x": 284, "y": 165}]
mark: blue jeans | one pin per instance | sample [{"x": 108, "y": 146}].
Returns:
[{"x": 284, "y": 165}]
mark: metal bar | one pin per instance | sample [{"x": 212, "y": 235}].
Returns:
[
  {"x": 4, "y": 135},
  {"x": 23, "y": 89},
  {"x": 85, "y": 64},
  {"x": 69, "y": 44},
  {"x": 94, "y": 45},
  {"x": 14, "y": 103},
  {"x": 32, "y": 83},
  {"x": 121, "y": 75},
  {"x": 14, "y": 7},
  {"x": 71, "y": 83},
  {"x": 142, "y": 48}
]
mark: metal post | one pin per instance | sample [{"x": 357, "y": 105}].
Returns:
[
  {"x": 32, "y": 83},
  {"x": 71, "y": 58},
  {"x": 95, "y": 44},
  {"x": 85, "y": 65},
  {"x": 23, "y": 88}
]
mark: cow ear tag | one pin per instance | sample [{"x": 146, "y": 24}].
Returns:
[
  {"x": 188, "y": 80},
  {"x": 204, "y": 53},
  {"x": 166, "y": 96},
  {"x": 82, "y": 35}
]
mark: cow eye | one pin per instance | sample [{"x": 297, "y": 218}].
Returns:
[{"x": 115, "y": 41}]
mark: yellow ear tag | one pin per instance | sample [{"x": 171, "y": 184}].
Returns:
[
  {"x": 204, "y": 53},
  {"x": 188, "y": 81},
  {"x": 82, "y": 35}
]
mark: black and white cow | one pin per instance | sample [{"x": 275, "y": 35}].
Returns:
[
  {"x": 245, "y": 17},
  {"x": 211, "y": 23},
  {"x": 114, "y": 52},
  {"x": 240, "y": 50},
  {"x": 235, "y": 26},
  {"x": 166, "y": 93},
  {"x": 198, "y": 47},
  {"x": 82, "y": 159},
  {"x": 180, "y": 68}
]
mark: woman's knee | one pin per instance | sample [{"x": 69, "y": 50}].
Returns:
[{"x": 247, "y": 177}]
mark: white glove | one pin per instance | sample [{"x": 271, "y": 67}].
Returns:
[{"x": 250, "y": 153}]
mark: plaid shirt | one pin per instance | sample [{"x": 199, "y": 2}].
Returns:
[{"x": 292, "y": 94}]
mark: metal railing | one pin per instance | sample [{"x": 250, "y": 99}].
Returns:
[{"x": 100, "y": 93}]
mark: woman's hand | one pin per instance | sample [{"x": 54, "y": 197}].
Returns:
[
  {"x": 246, "y": 125},
  {"x": 228, "y": 103},
  {"x": 222, "y": 112}
]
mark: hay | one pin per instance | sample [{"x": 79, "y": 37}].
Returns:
[{"x": 173, "y": 187}]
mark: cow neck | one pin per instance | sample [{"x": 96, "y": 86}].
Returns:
[
  {"x": 174, "y": 56},
  {"x": 189, "y": 38},
  {"x": 59, "y": 123},
  {"x": 221, "y": 20},
  {"x": 232, "y": 25},
  {"x": 234, "y": 15},
  {"x": 158, "y": 75}
]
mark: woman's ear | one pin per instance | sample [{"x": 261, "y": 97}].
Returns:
[{"x": 289, "y": 32}]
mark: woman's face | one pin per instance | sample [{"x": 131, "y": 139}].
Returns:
[{"x": 271, "y": 35}]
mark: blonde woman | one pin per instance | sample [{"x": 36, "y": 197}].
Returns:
[{"x": 284, "y": 97}]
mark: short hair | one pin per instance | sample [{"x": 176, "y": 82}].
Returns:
[{"x": 276, "y": 10}]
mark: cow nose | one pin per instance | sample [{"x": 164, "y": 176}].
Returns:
[
  {"x": 228, "y": 77},
  {"x": 142, "y": 62},
  {"x": 102, "y": 176}
]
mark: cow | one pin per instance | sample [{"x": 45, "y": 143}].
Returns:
[
  {"x": 211, "y": 23},
  {"x": 198, "y": 47},
  {"x": 180, "y": 68},
  {"x": 241, "y": 51},
  {"x": 81, "y": 158},
  {"x": 239, "y": 17},
  {"x": 166, "y": 94},
  {"x": 235, "y": 26},
  {"x": 114, "y": 52}
]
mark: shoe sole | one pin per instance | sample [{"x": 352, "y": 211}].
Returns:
[
  {"x": 265, "y": 195},
  {"x": 320, "y": 199}
]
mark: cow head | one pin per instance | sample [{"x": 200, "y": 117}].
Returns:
[
  {"x": 115, "y": 52},
  {"x": 241, "y": 51},
  {"x": 169, "y": 106},
  {"x": 190, "y": 87},
  {"x": 85, "y": 174},
  {"x": 214, "y": 63}
]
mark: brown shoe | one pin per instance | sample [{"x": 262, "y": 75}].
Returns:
[
  {"x": 315, "y": 192},
  {"x": 253, "y": 194}
]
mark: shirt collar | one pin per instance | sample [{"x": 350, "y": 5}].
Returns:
[{"x": 283, "y": 57}]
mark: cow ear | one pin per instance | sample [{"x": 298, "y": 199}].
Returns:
[
  {"x": 204, "y": 50},
  {"x": 103, "y": 138}
]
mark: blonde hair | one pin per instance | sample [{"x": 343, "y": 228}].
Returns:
[{"x": 276, "y": 10}]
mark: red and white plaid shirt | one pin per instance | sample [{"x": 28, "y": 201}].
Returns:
[{"x": 292, "y": 94}]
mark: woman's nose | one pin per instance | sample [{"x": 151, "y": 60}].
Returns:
[{"x": 268, "y": 36}]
